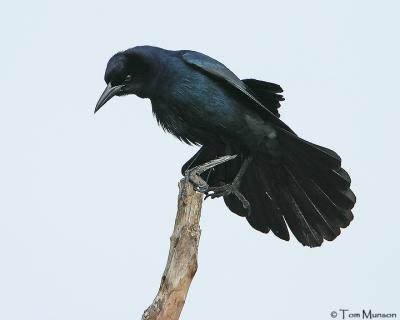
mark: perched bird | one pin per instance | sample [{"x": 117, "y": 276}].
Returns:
[{"x": 277, "y": 179}]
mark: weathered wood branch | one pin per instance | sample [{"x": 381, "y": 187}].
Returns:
[
  {"x": 182, "y": 259},
  {"x": 184, "y": 243}
]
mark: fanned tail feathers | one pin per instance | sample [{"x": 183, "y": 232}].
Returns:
[{"x": 308, "y": 191}]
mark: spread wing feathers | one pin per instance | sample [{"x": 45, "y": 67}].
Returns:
[
  {"x": 267, "y": 93},
  {"x": 217, "y": 70}
]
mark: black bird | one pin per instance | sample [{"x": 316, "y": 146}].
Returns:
[{"x": 277, "y": 179}]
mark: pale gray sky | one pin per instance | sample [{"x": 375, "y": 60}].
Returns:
[{"x": 81, "y": 234}]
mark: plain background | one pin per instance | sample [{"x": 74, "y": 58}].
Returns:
[{"x": 88, "y": 202}]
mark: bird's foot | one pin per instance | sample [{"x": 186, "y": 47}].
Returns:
[
  {"x": 226, "y": 190},
  {"x": 193, "y": 175}
]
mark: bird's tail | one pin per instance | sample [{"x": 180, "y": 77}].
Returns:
[{"x": 307, "y": 191}]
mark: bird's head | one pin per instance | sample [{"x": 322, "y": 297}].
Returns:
[{"x": 129, "y": 72}]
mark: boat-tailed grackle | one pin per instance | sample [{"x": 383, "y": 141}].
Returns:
[{"x": 277, "y": 179}]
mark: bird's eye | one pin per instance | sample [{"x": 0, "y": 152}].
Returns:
[{"x": 128, "y": 78}]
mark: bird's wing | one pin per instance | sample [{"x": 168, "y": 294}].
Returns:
[
  {"x": 217, "y": 70},
  {"x": 268, "y": 93}
]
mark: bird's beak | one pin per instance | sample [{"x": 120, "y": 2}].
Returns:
[{"x": 108, "y": 93}]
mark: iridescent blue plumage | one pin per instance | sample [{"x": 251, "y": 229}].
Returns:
[{"x": 288, "y": 181}]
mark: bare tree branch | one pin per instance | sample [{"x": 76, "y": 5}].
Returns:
[{"x": 182, "y": 259}]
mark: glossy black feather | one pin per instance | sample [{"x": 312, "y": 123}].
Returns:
[
  {"x": 267, "y": 93},
  {"x": 291, "y": 183}
]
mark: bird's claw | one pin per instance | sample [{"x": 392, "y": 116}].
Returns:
[
  {"x": 216, "y": 192},
  {"x": 193, "y": 175},
  {"x": 201, "y": 189},
  {"x": 226, "y": 190}
]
